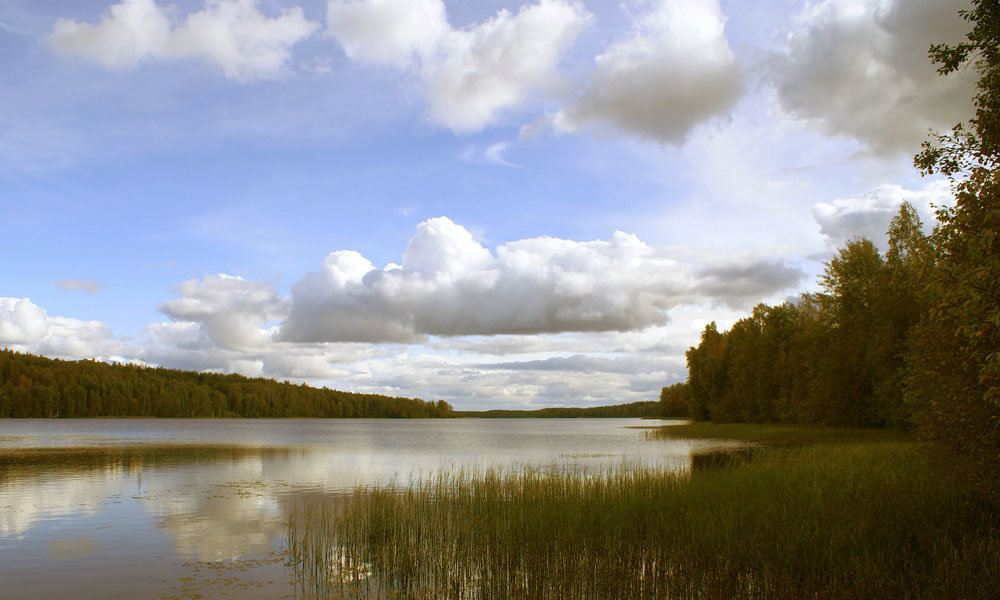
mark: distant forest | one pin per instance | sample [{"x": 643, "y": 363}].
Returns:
[
  {"x": 633, "y": 409},
  {"x": 33, "y": 386},
  {"x": 910, "y": 339}
]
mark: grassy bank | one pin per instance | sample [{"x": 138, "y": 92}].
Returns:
[{"x": 870, "y": 519}]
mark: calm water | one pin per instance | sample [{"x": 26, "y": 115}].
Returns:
[{"x": 180, "y": 522}]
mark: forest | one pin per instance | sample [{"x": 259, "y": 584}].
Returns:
[
  {"x": 909, "y": 339},
  {"x": 837, "y": 357},
  {"x": 631, "y": 409},
  {"x": 34, "y": 386}
]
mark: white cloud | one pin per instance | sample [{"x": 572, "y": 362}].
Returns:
[
  {"x": 132, "y": 31},
  {"x": 393, "y": 32},
  {"x": 26, "y": 327},
  {"x": 236, "y": 37},
  {"x": 450, "y": 285},
  {"x": 233, "y": 35},
  {"x": 860, "y": 68},
  {"x": 494, "y": 65},
  {"x": 216, "y": 331},
  {"x": 87, "y": 286},
  {"x": 228, "y": 309},
  {"x": 470, "y": 76},
  {"x": 21, "y": 321},
  {"x": 868, "y": 216},
  {"x": 72, "y": 338},
  {"x": 186, "y": 335},
  {"x": 675, "y": 71},
  {"x": 183, "y": 345},
  {"x": 186, "y": 345}
]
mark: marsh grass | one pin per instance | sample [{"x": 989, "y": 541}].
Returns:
[{"x": 859, "y": 520}]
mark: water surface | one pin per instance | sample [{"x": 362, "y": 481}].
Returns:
[{"x": 175, "y": 508}]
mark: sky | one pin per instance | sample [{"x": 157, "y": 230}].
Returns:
[{"x": 496, "y": 204}]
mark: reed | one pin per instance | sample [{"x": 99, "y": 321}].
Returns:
[{"x": 859, "y": 520}]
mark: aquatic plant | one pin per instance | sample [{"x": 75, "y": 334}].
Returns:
[{"x": 872, "y": 520}]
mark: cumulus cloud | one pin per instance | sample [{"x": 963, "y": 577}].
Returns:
[
  {"x": 868, "y": 216},
  {"x": 73, "y": 338},
  {"x": 21, "y": 321},
  {"x": 228, "y": 309},
  {"x": 183, "y": 345},
  {"x": 87, "y": 286},
  {"x": 860, "y": 68},
  {"x": 244, "y": 348},
  {"x": 675, "y": 71},
  {"x": 449, "y": 284},
  {"x": 391, "y": 32},
  {"x": 470, "y": 76},
  {"x": 132, "y": 31},
  {"x": 26, "y": 327},
  {"x": 233, "y": 35},
  {"x": 216, "y": 332},
  {"x": 184, "y": 335}
]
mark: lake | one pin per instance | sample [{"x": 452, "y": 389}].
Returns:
[{"x": 174, "y": 508}]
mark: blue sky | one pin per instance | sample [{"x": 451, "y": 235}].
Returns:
[{"x": 421, "y": 198}]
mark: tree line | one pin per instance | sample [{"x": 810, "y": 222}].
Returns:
[
  {"x": 908, "y": 339},
  {"x": 34, "y": 386},
  {"x": 836, "y": 357},
  {"x": 631, "y": 409}
]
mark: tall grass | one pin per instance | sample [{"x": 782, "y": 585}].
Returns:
[{"x": 873, "y": 520}]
